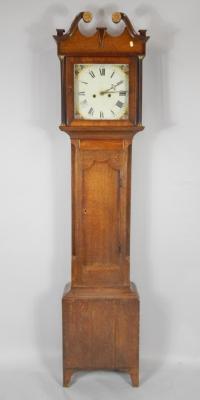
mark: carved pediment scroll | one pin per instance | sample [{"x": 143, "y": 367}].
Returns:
[{"x": 73, "y": 42}]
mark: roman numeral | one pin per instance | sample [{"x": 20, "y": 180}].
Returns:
[
  {"x": 112, "y": 74},
  {"x": 86, "y": 83},
  {"x": 101, "y": 114},
  {"x": 102, "y": 71},
  {"x": 119, "y": 104},
  {"x": 91, "y": 111},
  {"x": 112, "y": 112},
  {"x": 92, "y": 74},
  {"x": 122, "y": 93},
  {"x": 81, "y": 93}
]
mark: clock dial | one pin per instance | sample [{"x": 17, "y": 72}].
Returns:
[{"x": 101, "y": 91}]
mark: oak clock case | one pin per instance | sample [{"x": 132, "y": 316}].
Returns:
[{"x": 101, "y": 111}]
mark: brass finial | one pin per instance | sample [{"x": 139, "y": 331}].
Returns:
[
  {"x": 116, "y": 17},
  {"x": 87, "y": 16}
]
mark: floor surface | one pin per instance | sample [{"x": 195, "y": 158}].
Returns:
[{"x": 176, "y": 382}]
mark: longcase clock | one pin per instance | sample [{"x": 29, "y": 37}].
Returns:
[{"x": 101, "y": 102}]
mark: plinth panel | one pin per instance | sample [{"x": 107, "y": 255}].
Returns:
[{"x": 101, "y": 330}]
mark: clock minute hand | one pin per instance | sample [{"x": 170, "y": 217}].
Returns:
[
  {"x": 113, "y": 86},
  {"x": 106, "y": 91},
  {"x": 117, "y": 84},
  {"x": 115, "y": 91}
]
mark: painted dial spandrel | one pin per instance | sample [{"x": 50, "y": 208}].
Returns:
[{"x": 101, "y": 91}]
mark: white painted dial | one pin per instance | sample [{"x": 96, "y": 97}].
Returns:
[{"x": 101, "y": 91}]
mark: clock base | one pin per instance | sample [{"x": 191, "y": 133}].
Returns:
[
  {"x": 134, "y": 375},
  {"x": 101, "y": 330}
]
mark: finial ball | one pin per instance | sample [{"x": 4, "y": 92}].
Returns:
[
  {"x": 87, "y": 16},
  {"x": 116, "y": 17}
]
